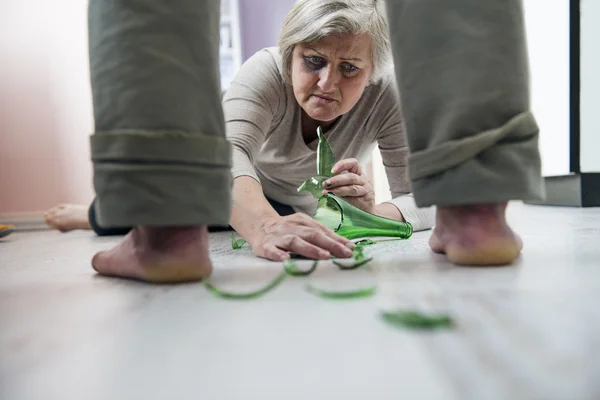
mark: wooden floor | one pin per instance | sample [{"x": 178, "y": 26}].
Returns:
[{"x": 529, "y": 331}]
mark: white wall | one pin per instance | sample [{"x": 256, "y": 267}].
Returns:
[
  {"x": 547, "y": 24},
  {"x": 590, "y": 86}
]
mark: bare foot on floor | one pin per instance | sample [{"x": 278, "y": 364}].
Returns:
[
  {"x": 68, "y": 217},
  {"x": 158, "y": 255},
  {"x": 475, "y": 235}
]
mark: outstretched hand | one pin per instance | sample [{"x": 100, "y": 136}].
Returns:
[
  {"x": 300, "y": 234},
  {"x": 353, "y": 186}
]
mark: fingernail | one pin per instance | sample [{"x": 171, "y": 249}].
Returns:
[
  {"x": 325, "y": 254},
  {"x": 347, "y": 252},
  {"x": 327, "y": 183},
  {"x": 350, "y": 245},
  {"x": 285, "y": 257}
]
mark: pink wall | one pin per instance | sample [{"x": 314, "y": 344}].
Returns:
[
  {"x": 45, "y": 98},
  {"x": 45, "y": 105}
]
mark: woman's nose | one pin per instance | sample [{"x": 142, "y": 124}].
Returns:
[{"x": 328, "y": 79}]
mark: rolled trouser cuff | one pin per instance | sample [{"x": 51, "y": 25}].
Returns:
[
  {"x": 493, "y": 166},
  {"x": 165, "y": 178}
]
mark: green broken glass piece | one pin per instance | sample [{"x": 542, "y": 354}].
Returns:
[
  {"x": 351, "y": 294},
  {"x": 314, "y": 185},
  {"x": 248, "y": 295},
  {"x": 351, "y": 222},
  {"x": 364, "y": 242},
  {"x": 325, "y": 158},
  {"x": 291, "y": 268},
  {"x": 359, "y": 259},
  {"x": 236, "y": 244},
  {"x": 358, "y": 253},
  {"x": 416, "y": 320},
  {"x": 355, "y": 265},
  {"x": 325, "y": 162}
]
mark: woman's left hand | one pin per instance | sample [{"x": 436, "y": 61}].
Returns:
[{"x": 352, "y": 186}]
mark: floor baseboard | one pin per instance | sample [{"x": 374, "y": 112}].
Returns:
[
  {"x": 26, "y": 221},
  {"x": 575, "y": 190}
]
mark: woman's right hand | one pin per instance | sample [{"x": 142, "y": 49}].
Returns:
[{"x": 300, "y": 234}]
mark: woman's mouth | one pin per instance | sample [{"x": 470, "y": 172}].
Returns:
[{"x": 322, "y": 98}]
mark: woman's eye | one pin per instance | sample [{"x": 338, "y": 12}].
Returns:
[
  {"x": 349, "y": 68},
  {"x": 314, "y": 62}
]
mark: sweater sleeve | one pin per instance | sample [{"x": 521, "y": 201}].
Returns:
[
  {"x": 394, "y": 154},
  {"x": 250, "y": 105}
]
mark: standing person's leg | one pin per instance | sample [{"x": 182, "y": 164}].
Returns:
[
  {"x": 161, "y": 160},
  {"x": 462, "y": 72}
]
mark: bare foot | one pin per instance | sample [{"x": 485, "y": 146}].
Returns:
[
  {"x": 475, "y": 235},
  {"x": 158, "y": 255},
  {"x": 68, "y": 217}
]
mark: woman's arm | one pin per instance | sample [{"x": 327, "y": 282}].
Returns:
[
  {"x": 249, "y": 206},
  {"x": 388, "y": 210}
]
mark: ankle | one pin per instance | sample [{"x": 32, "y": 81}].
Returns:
[
  {"x": 164, "y": 236},
  {"x": 486, "y": 211}
]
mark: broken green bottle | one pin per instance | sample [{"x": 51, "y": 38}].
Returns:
[{"x": 352, "y": 223}]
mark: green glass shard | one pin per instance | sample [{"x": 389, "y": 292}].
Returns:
[
  {"x": 358, "y": 253},
  {"x": 236, "y": 244},
  {"x": 292, "y": 269},
  {"x": 351, "y": 294},
  {"x": 359, "y": 259},
  {"x": 314, "y": 185},
  {"x": 244, "y": 296},
  {"x": 325, "y": 158},
  {"x": 416, "y": 320},
  {"x": 355, "y": 265},
  {"x": 364, "y": 242},
  {"x": 351, "y": 222},
  {"x": 325, "y": 162}
]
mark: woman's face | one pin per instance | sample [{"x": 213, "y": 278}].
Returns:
[{"x": 329, "y": 76}]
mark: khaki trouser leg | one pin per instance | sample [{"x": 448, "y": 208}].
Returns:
[
  {"x": 462, "y": 72},
  {"x": 159, "y": 149}
]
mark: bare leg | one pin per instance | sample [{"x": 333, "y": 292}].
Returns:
[
  {"x": 158, "y": 255},
  {"x": 68, "y": 217},
  {"x": 475, "y": 235}
]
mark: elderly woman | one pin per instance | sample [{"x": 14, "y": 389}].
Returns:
[{"x": 331, "y": 70}]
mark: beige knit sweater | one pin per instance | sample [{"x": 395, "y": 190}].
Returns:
[{"x": 263, "y": 123}]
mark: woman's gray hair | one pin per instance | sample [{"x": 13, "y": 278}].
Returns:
[{"x": 312, "y": 20}]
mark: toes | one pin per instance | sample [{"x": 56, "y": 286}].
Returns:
[
  {"x": 101, "y": 264},
  {"x": 55, "y": 209},
  {"x": 97, "y": 262},
  {"x": 436, "y": 245},
  {"x": 519, "y": 241},
  {"x": 49, "y": 218},
  {"x": 114, "y": 262}
]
